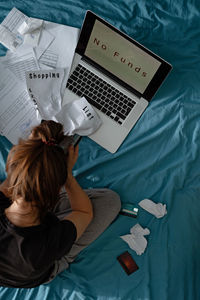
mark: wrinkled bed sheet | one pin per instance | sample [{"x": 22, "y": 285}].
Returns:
[{"x": 159, "y": 160}]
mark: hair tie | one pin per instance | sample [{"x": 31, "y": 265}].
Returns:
[{"x": 50, "y": 142}]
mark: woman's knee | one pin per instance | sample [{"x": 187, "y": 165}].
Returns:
[
  {"x": 114, "y": 200},
  {"x": 105, "y": 199}
]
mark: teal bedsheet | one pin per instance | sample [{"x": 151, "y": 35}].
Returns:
[{"x": 160, "y": 160}]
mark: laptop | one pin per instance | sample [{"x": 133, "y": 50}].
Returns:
[{"x": 118, "y": 77}]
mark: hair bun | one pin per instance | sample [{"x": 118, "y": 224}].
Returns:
[{"x": 49, "y": 132}]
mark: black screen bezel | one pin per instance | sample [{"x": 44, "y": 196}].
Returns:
[{"x": 157, "y": 79}]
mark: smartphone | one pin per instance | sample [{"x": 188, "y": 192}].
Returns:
[
  {"x": 70, "y": 140},
  {"x": 76, "y": 139},
  {"x": 127, "y": 263}
]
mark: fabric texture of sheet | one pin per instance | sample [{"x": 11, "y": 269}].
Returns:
[{"x": 159, "y": 160}]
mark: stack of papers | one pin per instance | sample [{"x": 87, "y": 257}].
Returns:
[{"x": 38, "y": 51}]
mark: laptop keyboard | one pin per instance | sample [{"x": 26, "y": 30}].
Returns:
[{"x": 100, "y": 94}]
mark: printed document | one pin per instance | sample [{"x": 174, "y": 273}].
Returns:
[
  {"x": 18, "y": 114},
  {"x": 9, "y": 35},
  {"x": 33, "y": 77},
  {"x": 19, "y": 64}
]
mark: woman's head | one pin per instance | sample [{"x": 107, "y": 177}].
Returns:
[{"x": 37, "y": 167}]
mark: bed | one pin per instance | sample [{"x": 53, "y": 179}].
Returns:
[{"x": 159, "y": 160}]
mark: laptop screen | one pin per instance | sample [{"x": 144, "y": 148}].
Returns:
[
  {"x": 117, "y": 55},
  {"x": 121, "y": 57}
]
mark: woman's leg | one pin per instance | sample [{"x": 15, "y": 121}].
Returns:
[{"x": 106, "y": 206}]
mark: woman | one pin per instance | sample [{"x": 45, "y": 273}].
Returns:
[{"x": 46, "y": 218}]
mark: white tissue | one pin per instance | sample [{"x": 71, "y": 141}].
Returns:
[
  {"x": 138, "y": 230},
  {"x": 157, "y": 209},
  {"x": 136, "y": 239},
  {"x": 78, "y": 117}
]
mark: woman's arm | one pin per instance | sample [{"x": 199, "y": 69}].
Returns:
[{"x": 82, "y": 211}]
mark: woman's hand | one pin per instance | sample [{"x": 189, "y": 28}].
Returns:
[
  {"x": 72, "y": 157},
  {"x": 71, "y": 160}
]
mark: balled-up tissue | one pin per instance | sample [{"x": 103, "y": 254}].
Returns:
[
  {"x": 78, "y": 117},
  {"x": 136, "y": 239},
  {"x": 157, "y": 209},
  {"x": 46, "y": 88}
]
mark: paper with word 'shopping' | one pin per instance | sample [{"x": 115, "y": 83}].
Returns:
[{"x": 46, "y": 89}]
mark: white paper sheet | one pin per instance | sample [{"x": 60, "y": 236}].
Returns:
[
  {"x": 46, "y": 38},
  {"x": 31, "y": 30},
  {"x": 60, "y": 53},
  {"x": 18, "y": 114},
  {"x": 9, "y": 35},
  {"x": 19, "y": 64},
  {"x": 14, "y": 19},
  {"x": 14, "y": 39},
  {"x": 46, "y": 90},
  {"x": 47, "y": 58},
  {"x": 45, "y": 41},
  {"x": 30, "y": 26},
  {"x": 9, "y": 39}
]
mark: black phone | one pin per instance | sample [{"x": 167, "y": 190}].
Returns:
[
  {"x": 70, "y": 140},
  {"x": 76, "y": 139}
]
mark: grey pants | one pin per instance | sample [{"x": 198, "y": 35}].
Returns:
[{"x": 106, "y": 206}]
